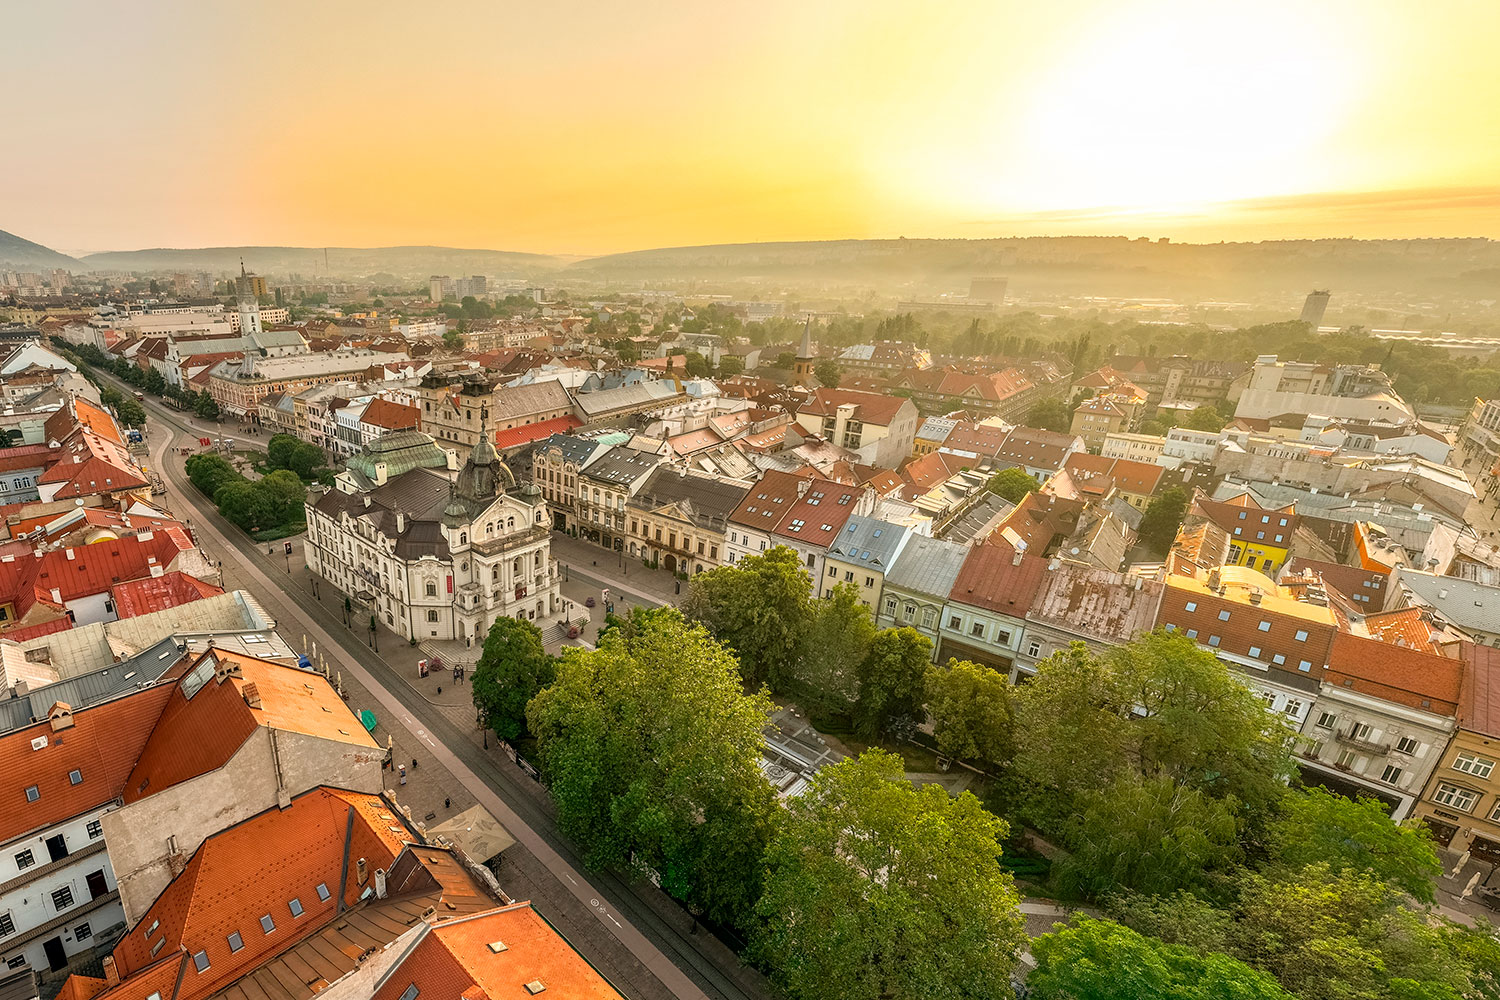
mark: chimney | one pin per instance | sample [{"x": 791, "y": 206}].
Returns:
[
  {"x": 361, "y": 871},
  {"x": 61, "y": 716},
  {"x": 1255, "y": 595},
  {"x": 367, "y": 499},
  {"x": 380, "y": 883},
  {"x": 252, "y": 698},
  {"x": 111, "y": 974}
]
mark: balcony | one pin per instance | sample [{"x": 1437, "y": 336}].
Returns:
[
  {"x": 1350, "y": 737},
  {"x": 494, "y": 546}
]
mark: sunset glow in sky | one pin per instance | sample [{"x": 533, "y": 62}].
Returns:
[{"x": 591, "y": 127}]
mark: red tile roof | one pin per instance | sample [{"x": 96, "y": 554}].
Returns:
[
  {"x": 515, "y": 437},
  {"x": 765, "y": 506},
  {"x": 1479, "y": 697},
  {"x": 1407, "y": 676},
  {"x": 993, "y": 578},
  {"x": 97, "y": 420},
  {"x": 1042, "y": 520},
  {"x": 454, "y": 960},
  {"x": 870, "y": 407},
  {"x": 158, "y": 593},
  {"x": 103, "y": 744},
  {"x": 391, "y": 415},
  {"x": 1256, "y": 519},
  {"x": 256, "y": 868},
  {"x": 816, "y": 518},
  {"x": 25, "y": 456},
  {"x": 933, "y": 468}
]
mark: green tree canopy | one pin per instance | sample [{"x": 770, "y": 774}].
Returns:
[
  {"x": 1205, "y": 418},
  {"x": 828, "y": 374},
  {"x": 730, "y": 366},
  {"x": 1162, "y": 519},
  {"x": 784, "y": 361},
  {"x": 154, "y": 382},
  {"x": 760, "y": 609},
  {"x": 1102, "y": 960},
  {"x": 130, "y": 412},
  {"x": 1012, "y": 484},
  {"x": 1050, "y": 415},
  {"x": 877, "y": 890},
  {"x": 892, "y": 681},
  {"x": 652, "y": 751},
  {"x": 1317, "y": 825},
  {"x": 511, "y": 670},
  {"x": 284, "y": 451},
  {"x": 837, "y": 640},
  {"x": 208, "y": 472},
  {"x": 970, "y": 707},
  {"x": 205, "y": 406}
]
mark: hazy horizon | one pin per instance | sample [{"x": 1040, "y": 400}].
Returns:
[{"x": 594, "y": 129}]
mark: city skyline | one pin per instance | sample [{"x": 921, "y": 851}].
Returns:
[{"x": 593, "y": 129}]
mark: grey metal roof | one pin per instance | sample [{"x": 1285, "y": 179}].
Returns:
[
  {"x": 703, "y": 499},
  {"x": 1467, "y": 605},
  {"x": 574, "y": 449},
  {"x": 133, "y": 673},
  {"x": 927, "y": 566},
  {"x": 594, "y": 404},
  {"x": 868, "y": 540},
  {"x": 621, "y": 465}
]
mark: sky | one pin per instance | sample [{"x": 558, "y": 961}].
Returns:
[{"x": 578, "y": 127}]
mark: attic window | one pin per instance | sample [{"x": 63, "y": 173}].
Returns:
[
  {"x": 200, "y": 961},
  {"x": 295, "y": 906},
  {"x": 235, "y": 942},
  {"x": 267, "y": 924},
  {"x": 498, "y": 946},
  {"x": 75, "y": 777},
  {"x": 323, "y": 893},
  {"x": 535, "y": 986},
  {"x": 33, "y": 793},
  {"x": 410, "y": 993}
]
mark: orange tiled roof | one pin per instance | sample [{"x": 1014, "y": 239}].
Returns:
[
  {"x": 102, "y": 745},
  {"x": 1407, "y": 676},
  {"x": 455, "y": 960},
  {"x": 197, "y": 735},
  {"x": 98, "y": 421},
  {"x": 257, "y": 868}
]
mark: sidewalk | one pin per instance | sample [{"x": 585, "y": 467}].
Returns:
[{"x": 620, "y": 573}]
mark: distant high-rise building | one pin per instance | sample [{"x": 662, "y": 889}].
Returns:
[
  {"x": 988, "y": 289},
  {"x": 1313, "y": 309}
]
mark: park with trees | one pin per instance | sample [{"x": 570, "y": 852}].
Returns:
[{"x": 1165, "y": 795}]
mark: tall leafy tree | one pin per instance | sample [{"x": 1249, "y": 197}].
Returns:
[
  {"x": 892, "y": 681},
  {"x": 970, "y": 707},
  {"x": 1354, "y": 834},
  {"x": 828, "y": 374},
  {"x": 1150, "y": 835},
  {"x": 1050, "y": 415},
  {"x": 1102, "y": 960},
  {"x": 761, "y": 609},
  {"x": 652, "y": 750},
  {"x": 208, "y": 472},
  {"x": 837, "y": 641},
  {"x": 511, "y": 670},
  {"x": 1012, "y": 484},
  {"x": 1162, "y": 518},
  {"x": 878, "y": 890}
]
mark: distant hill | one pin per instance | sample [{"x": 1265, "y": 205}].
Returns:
[
  {"x": 406, "y": 262},
  {"x": 1092, "y": 265},
  {"x": 18, "y": 253}
]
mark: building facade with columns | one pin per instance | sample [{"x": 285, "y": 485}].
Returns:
[{"x": 429, "y": 554}]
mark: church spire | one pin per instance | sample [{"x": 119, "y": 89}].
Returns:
[{"x": 805, "y": 350}]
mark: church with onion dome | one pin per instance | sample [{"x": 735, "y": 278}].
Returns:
[{"x": 431, "y": 548}]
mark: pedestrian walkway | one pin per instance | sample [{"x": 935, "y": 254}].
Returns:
[{"x": 618, "y": 572}]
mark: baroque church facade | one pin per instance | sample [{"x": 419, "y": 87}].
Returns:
[{"x": 431, "y": 554}]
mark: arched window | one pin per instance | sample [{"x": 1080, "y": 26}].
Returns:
[
  {"x": 489, "y": 529},
  {"x": 463, "y": 538},
  {"x": 516, "y": 566},
  {"x": 538, "y": 560},
  {"x": 510, "y": 524}
]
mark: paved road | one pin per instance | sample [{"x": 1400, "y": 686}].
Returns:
[{"x": 673, "y": 953}]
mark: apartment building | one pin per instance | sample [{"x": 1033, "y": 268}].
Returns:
[
  {"x": 917, "y": 585},
  {"x": 1460, "y": 803},
  {"x": 984, "y": 619},
  {"x": 678, "y": 518},
  {"x": 861, "y": 554},
  {"x": 455, "y": 410}
]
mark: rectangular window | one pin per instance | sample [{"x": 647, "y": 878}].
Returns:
[
  {"x": 1468, "y": 763},
  {"x": 83, "y": 932},
  {"x": 1223, "y": 616},
  {"x": 33, "y": 793},
  {"x": 323, "y": 893},
  {"x": 1304, "y": 666},
  {"x": 75, "y": 777},
  {"x": 1192, "y": 633},
  {"x": 1454, "y": 797},
  {"x": 7, "y": 924},
  {"x": 1391, "y": 774},
  {"x": 1407, "y": 745},
  {"x": 1213, "y": 640},
  {"x": 977, "y": 629},
  {"x": 929, "y": 617},
  {"x": 1278, "y": 659},
  {"x": 1190, "y": 606},
  {"x": 1255, "y": 652},
  {"x": 1360, "y": 730},
  {"x": 235, "y": 942},
  {"x": 26, "y": 859},
  {"x": 955, "y": 623},
  {"x": 890, "y": 607},
  {"x": 869, "y": 581},
  {"x": 1301, "y": 635},
  {"x": 62, "y": 898},
  {"x": 200, "y": 961},
  {"x": 1346, "y": 758},
  {"x": 295, "y": 906},
  {"x": 1002, "y": 637},
  {"x": 432, "y": 616},
  {"x": 1264, "y": 626},
  {"x": 1327, "y": 720},
  {"x": 1033, "y": 648},
  {"x": 1293, "y": 707},
  {"x": 95, "y": 830},
  {"x": 833, "y": 572},
  {"x": 267, "y": 924}
]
